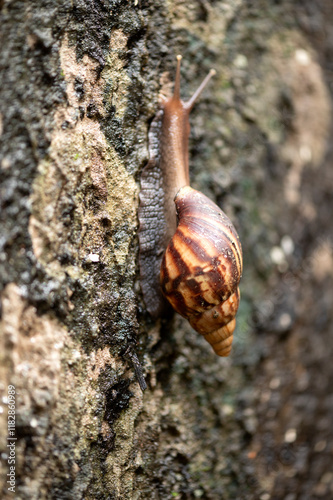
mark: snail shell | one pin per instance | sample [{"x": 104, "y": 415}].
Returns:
[{"x": 201, "y": 269}]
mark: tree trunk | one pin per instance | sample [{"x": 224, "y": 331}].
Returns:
[{"x": 80, "y": 83}]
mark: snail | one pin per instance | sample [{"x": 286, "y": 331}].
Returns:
[{"x": 190, "y": 253}]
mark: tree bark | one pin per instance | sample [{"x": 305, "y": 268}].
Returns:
[{"x": 80, "y": 83}]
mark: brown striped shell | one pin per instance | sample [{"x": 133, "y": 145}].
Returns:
[{"x": 201, "y": 269}]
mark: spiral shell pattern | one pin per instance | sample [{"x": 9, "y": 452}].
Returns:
[{"x": 202, "y": 267}]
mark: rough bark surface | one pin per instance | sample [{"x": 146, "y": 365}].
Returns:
[{"x": 80, "y": 83}]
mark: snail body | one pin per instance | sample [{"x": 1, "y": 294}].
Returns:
[{"x": 190, "y": 252}]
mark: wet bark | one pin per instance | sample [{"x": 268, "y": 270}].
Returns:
[{"x": 80, "y": 83}]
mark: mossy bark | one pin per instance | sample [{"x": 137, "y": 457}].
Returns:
[{"x": 80, "y": 83}]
